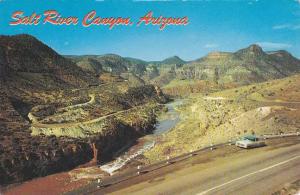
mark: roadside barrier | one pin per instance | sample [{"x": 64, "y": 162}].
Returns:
[
  {"x": 126, "y": 175},
  {"x": 269, "y": 136}
]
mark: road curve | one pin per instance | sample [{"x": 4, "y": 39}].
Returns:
[
  {"x": 222, "y": 171},
  {"x": 70, "y": 124}
]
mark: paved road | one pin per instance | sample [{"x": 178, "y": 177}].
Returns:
[
  {"x": 228, "y": 171},
  {"x": 72, "y": 124}
]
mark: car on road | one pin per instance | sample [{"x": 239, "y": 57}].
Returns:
[{"x": 250, "y": 142}]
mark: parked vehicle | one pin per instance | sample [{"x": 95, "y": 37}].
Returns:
[{"x": 250, "y": 142}]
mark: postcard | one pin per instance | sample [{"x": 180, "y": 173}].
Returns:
[{"x": 150, "y": 97}]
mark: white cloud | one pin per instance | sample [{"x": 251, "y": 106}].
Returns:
[
  {"x": 287, "y": 26},
  {"x": 211, "y": 45},
  {"x": 272, "y": 45},
  {"x": 281, "y": 26},
  {"x": 251, "y": 2}
]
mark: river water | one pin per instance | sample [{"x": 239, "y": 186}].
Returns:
[{"x": 166, "y": 121}]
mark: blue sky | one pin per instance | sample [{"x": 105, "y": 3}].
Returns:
[{"x": 215, "y": 25}]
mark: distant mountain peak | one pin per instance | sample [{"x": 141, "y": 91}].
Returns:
[
  {"x": 177, "y": 57},
  {"x": 173, "y": 60},
  {"x": 23, "y": 55},
  {"x": 253, "y": 49},
  {"x": 111, "y": 55},
  {"x": 247, "y": 65}
]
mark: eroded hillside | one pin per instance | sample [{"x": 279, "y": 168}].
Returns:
[
  {"x": 245, "y": 66},
  {"x": 55, "y": 116},
  {"x": 271, "y": 107},
  {"x": 27, "y": 62}
]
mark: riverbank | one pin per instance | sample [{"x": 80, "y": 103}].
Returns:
[
  {"x": 266, "y": 108},
  {"x": 166, "y": 121},
  {"x": 128, "y": 157}
]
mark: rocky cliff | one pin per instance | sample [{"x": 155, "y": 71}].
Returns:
[{"x": 247, "y": 65}]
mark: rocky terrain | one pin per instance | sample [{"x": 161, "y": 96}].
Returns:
[
  {"x": 116, "y": 65},
  {"x": 55, "y": 116},
  {"x": 58, "y": 137},
  {"x": 247, "y": 65},
  {"x": 271, "y": 107},
  {"x": 220, "y": 69},
  {"x": 27, "y": 62},
  {"x": 112, "y": 63}
]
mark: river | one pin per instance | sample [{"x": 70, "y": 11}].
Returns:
[{"x": 166, "y": 121}]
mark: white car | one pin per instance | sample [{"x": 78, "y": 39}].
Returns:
[{"x": 249, "y": 144}]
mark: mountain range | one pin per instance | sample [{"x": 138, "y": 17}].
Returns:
[
  {"x": 247, "y": 65},
  {"x": 27, "y": 65},
  {"x": 244, "y": 66}
]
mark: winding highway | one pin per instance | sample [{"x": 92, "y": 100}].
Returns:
[{"x": 226, "y": 170}]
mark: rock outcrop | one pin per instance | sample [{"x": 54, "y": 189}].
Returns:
[{"x": 245, "y": 66}]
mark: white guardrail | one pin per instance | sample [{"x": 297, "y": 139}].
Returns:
[
  {"x": 141, "y": 169},
  {"x": 267, "y": 136}
]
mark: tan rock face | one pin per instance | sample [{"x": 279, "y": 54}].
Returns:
[{"x": 218, "y": 55}]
